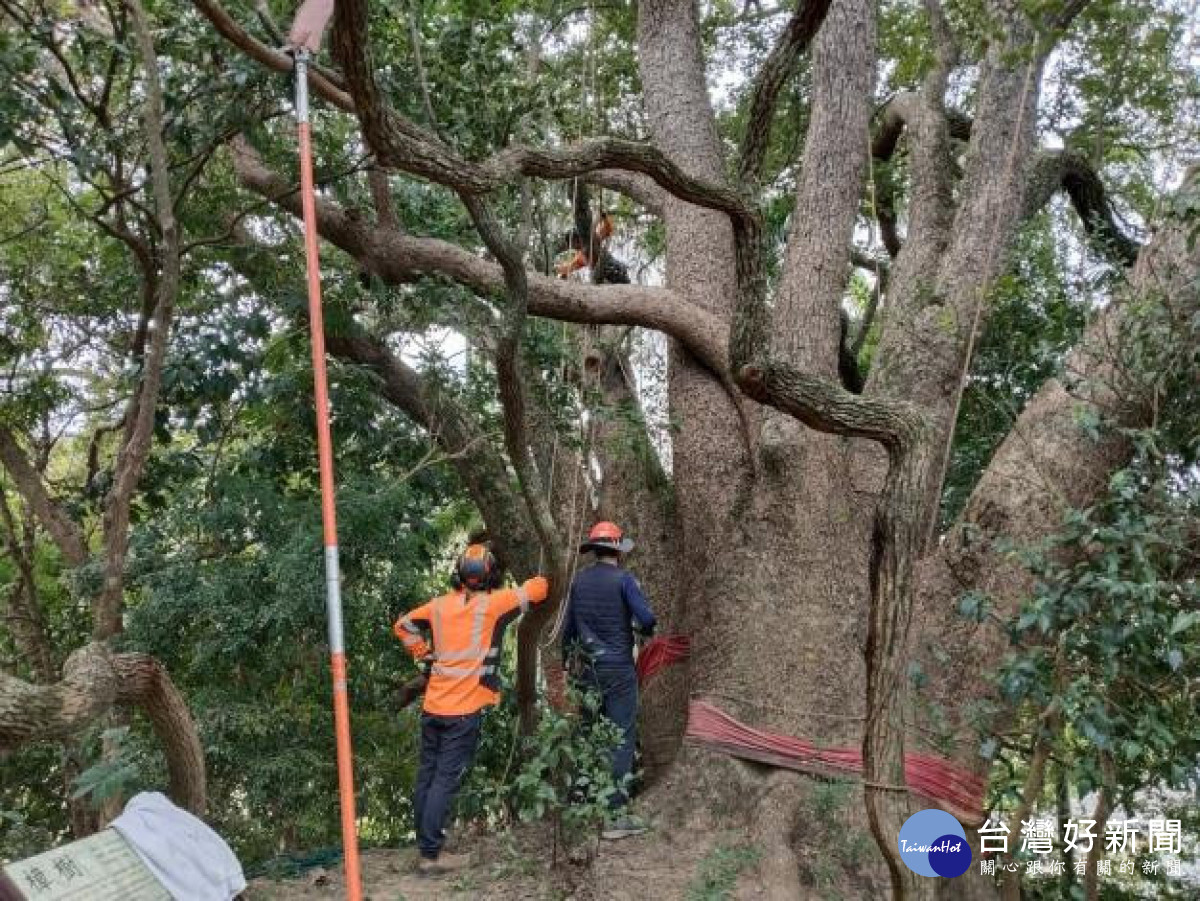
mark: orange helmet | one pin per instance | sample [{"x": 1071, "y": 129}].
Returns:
[
  {"x": 476, "y": 568},
  {"x": 607, "y": 536}
]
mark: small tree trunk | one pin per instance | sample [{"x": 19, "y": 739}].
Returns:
[
  {"x": 110, "y": 750},
  {"x": 1091, "y": 878},
  {"x": 82, "y": 815},
  {"x": 1034, "y": 781},
  {"x": 1062, "y": 801},
  {"x": 900, "y": 532},
  {"x": 23, "y": 612}
]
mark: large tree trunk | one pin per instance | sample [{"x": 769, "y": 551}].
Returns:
[
  {"x": 777, "y": 620},
  {"x": 635, "y": 492},
  {"x": 1050, "y": 463}
]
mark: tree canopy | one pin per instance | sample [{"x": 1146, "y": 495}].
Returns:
[{"x": 902, "y": 294}]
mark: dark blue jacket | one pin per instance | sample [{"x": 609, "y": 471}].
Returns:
[{"x": 603, "y": 606}]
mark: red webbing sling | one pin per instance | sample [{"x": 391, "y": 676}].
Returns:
[{"x": 952, "y": 787}]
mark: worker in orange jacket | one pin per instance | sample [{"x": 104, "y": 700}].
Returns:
[{"x": 465, "y": 628}]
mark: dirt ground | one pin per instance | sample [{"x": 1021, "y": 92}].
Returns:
[{"x": 658, "y": 866}]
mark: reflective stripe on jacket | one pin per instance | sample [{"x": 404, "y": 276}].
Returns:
[{"x": 466, "y": 631}]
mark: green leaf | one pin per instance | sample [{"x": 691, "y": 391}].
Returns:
[{"x": 1184, "y": 620}]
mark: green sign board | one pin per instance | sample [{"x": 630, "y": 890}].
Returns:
[{"x": 102, "y": 867}]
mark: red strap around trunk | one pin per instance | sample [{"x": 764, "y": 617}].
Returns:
[{"x": 951, "y": 786}]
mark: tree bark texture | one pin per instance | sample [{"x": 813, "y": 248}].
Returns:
[
  {"x": 93, "y": 681},
  {"x": 1050, "y": 463},
  {"x": 65, "y": 533}
]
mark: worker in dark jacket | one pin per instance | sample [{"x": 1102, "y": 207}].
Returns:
[{"x": 605, "y": 606}]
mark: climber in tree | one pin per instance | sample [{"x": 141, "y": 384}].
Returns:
[
  {"x": 591, "y": 250},
  {"x": 601, "y": 231},
  {"x": 604, "y": 607},
  {"x": 465, "y": 629}
]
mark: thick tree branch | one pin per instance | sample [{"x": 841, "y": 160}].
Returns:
[
  {"x": 63, "y": 530},
  {"x": 400, "y": 144},
  {"x": 31, "y": 713},
  {"x": 775, "y": 71},
  {"x": 381, "y": 196},
  {"x": 824, "y": 405},
  {"x": 927, "y": 126},
  {"x": 638, "y": 188},
  {"x": 603, "y": 153},
  {"x": 947, "y": 50},
  {"x": 939, "y": 299},
  {"x": 93, "y": 681},
  {"x": 807, "y": 323},
  {"x": 1055, "y": 170},
  {"x": 397, "y": 258},
  {"x": 144, "y": 684}
]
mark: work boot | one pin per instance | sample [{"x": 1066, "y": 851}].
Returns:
[
  {"x": 427, "y": 866},
  {"x": 442, "y": 864},
  {"x": 623, "y": 826},
  {"x": 453, "y": 861}
]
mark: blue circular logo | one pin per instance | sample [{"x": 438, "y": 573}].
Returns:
[{"x": 933, "y": 843}]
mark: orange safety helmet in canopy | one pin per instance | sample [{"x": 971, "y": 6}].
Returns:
[{"x": 607, "y": 536}]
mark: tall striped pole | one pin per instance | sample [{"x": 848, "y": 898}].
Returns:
[{"x": 333, "y": 597}]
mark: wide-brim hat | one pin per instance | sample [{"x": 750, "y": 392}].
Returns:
[
  {"x": 606, "y": 536},
  {"x": 624, "y": 546}
]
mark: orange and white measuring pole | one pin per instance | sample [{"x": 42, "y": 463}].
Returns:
[{"x": 333, "y": 596}]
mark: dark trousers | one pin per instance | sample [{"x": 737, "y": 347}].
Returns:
[
  {"x": 448, "y": 746},
  {"x": 618, "y": 689}
]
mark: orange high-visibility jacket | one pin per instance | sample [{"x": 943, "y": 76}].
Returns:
[{"x": 467, "y": 629}]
